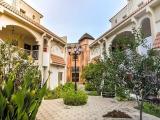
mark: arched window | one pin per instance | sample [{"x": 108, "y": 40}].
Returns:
[{"x": 146, "y": 27}]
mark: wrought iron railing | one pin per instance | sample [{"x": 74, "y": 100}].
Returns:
[{"x": 33, "y": 53}]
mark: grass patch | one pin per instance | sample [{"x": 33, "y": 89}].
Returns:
[{"x": 151, "y": 109}]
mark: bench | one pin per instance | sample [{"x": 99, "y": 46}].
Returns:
[{"x": 108, "y": 94}]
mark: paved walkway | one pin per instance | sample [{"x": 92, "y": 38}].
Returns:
[{"x": 93, "y": 110}]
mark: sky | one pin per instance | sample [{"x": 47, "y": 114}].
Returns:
[{"x": 73, "y": 18}]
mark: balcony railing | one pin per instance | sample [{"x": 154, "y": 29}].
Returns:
[{"x": 33, "y": 53}]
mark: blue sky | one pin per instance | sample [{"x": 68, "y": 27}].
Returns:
[{"x": 73, "y": 18}]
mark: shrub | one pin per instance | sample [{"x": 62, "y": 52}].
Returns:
[
  {"x": 75, "y": 99},
  {"x": 90, "y": 87},
  {"x": 59, "y": 91},
  {"x": 122, "y": 94},
  {"x": 152, "y": 109},
  {"x": 68, "y": 86},
  {"x": 21, "y": 92},
  {"x": 49, "y": 94},
  {"x": 93, "y": 73},
  {"x": 54, "y": 94}
]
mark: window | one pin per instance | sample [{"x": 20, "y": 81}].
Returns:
[
  {"x": 73, "y": 69},
  {"x": 124, "y": 16},
  {"x": 104, "y": 48},
  {"x": 45, "y": 47},
  {"x": 35, "y": 47},
  {"x": 146, "y": 28},
  {"x": 75, "y": 57},
  {"x": 75, "y": 77},
  {"x": 27, "y": 48},
  {"x": 60, "y": 77},
  {"x": 22, "y": 11},
  {"x": 34, "y": 17},
  {"x": 115, "y": 20},
  {"x": 35, "y": 51},
  {"x": 140, "y": 4}
]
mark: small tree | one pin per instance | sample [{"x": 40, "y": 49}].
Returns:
[
  {"x": 114, "y": 76},
  {"x": 128, "y": 70},
  {"x": 92, "y": 73},
  {"x": 20, "y": 85},
  {"x": 145, "y": 77}
]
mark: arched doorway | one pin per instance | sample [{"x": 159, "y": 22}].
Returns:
[
  {"x": 122, "y": 41},
  {"x": 146, "y": 27},
  {"x": 21, "y": 38},
  {"x": 147, "y": 35}
]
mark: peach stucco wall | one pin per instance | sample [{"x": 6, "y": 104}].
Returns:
[{"x": 82, "y": 61}]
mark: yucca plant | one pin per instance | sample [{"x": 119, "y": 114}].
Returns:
[{"x": 21, "y": 91}]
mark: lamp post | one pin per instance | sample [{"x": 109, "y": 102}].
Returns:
[{"x": 75, "y": 51}]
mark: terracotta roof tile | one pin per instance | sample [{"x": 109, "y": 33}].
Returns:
[
  {"x": 57, "y": 60},
  {"x": 157, "y": 41}
]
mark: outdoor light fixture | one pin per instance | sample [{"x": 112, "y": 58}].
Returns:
[{"x": 75, "y": 51}]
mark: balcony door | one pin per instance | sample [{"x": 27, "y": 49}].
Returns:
[{"x": 35, "y": 51}]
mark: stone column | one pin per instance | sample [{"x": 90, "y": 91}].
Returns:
[
  {"x": 40, "y": 57},
  {"x": 152, "y": 22},
  {"x": 49, "y": 67}
]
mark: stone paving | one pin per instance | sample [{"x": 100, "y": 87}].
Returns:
[{"x": 93, "y": 110}]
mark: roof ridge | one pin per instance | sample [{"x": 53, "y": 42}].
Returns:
[{"x": 86, "y": 36}]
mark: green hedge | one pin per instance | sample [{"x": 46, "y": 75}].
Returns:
[
  {"x": 89, "y": 87},
  {"x": 75, "y": 99}
]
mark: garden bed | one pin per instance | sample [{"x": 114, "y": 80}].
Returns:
[{"x": 116, "y": 114}]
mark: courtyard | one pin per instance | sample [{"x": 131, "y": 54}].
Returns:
[
  {"x": 46, "y": 76},
  {"x": 93, "y": 110}
]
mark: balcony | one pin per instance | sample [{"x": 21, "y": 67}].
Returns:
[{"x": 22, "y": 39}]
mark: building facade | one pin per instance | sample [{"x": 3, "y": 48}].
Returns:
[
  {"x": 20, "y": 22},
  {"x": 82, "y": 59},
  {"x": 136, "y": 14}
]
